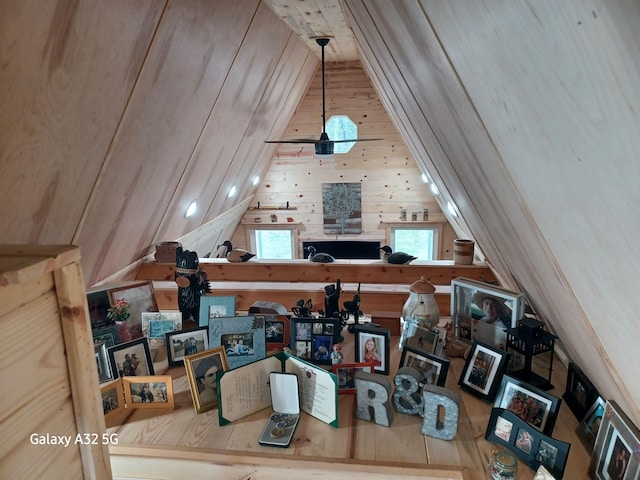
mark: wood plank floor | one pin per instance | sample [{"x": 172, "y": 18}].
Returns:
[{"x": 354, "y": 441}]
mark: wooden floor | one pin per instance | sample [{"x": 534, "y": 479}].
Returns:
[{"x": 356, "y": 443}]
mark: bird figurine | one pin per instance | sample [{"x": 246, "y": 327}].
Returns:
[
  {"x": 319, "y": 257},
  {"x": 398, "y": 258},
  {"x": 236, "y": 254}
]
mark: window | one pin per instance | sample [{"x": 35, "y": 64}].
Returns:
[
  {"x": 273, "y": 243},
  {"x": 341, "y": 127},
  {"x": 419, "y": 242}
]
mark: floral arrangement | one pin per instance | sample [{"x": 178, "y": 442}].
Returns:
[{"x": 119, "y": 312}]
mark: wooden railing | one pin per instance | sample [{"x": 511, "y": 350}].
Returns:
[{"x": 383, "y": 287}]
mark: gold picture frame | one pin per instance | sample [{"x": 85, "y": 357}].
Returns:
[
  {"x": 149, "y": 392},
  {"x": 202, "y": 369}
]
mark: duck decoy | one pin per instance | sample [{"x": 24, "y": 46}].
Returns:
[
  {"x": 236, "y": 254},
  {"x": 319, "y": 257},
  {"x": 398, "y": 258}
]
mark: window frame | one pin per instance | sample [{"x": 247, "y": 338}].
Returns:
[
  {"x": 251, "y": 235},
  {"x": 436, "y": 227}
]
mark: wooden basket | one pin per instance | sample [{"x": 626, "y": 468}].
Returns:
[{"x": 166, "y": 252}]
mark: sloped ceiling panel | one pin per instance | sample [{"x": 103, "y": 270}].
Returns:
[{"x": 525, "y": 114}]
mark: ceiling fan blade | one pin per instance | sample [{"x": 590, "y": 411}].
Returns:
[
  {"x": 357, "y": 140},
  {"x": 292, "y": 140}
]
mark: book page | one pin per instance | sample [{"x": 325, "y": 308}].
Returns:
[{"x": 318, "y": 390}]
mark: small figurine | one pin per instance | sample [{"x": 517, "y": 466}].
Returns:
[{"x": 336, "y": 354}]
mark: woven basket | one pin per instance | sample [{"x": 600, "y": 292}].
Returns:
[{"x": 166, "y": 252}]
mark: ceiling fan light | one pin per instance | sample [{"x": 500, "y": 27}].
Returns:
[{"x": 324, "y": 149}]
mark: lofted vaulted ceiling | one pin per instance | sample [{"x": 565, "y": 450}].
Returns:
[{"x": 115, "y": 115}]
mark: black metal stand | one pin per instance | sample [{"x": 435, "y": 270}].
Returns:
[{"x": 529, "y": 340}]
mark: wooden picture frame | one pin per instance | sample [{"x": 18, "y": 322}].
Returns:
[
  {"x": 616, "y": 453},
  {"x": 533, "y": 405},
  {"x": 202, "y": 371},
  {"x": 139, "y": 365},
  {"x": 156, "y": 324},
  {"x": 346, "y": 375},
  {"x": 140, "y": 298},
  {"x": 102, "y": 363},
  {"x": 312, "y": 339},
  {"x": 483, "y": 371},
  {"x": 277, "y": 332},
  {"x": 243, "y": 338},
  {"x": 216, "y": 306},
  {"x": 433, "y": 369},
  {"x": 151, "y": 391},
  {"x": 468, "y": 318},
  {"x": 182, "y": 343},
  {"x": 534, "y": 448},
  {"x": 580, "y": 393},
  {"x": 113, "y": 402},
  {"x": 587, "y": 430},
  {"x": 372, "y": 345}
]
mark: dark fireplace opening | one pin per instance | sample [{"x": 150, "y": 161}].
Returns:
[{"x": 346, "y": 249}]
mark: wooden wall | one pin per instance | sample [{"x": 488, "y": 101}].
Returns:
[{"x": 386, "y": 169}]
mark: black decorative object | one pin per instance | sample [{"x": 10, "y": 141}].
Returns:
[
  {"x": 192, "y": 284},
  {"x": 332, "y": 300},
  {"x": 530, "y": 339}
]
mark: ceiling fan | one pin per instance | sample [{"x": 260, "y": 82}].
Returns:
[{"x": 324, "y": 146}]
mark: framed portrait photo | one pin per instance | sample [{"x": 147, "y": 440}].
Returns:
[
  {"x": 433, "y": 369},
  {"x": 185, "y": 342},
  {"x": 149, "y": 391},
  {"x": 616, "y": 454},
  {"x": 346, "y": 373},
  {"x": 212, "y": 306},
  {"x": 156, "y": 324},
  {"x": 483, "y": 371},
  {"x": 202, "y": 371},
  {"x": 312, "y": 339},
  {"x": 140, "y": 298},
  {"x": 482, "y": 312},
  {"x": 372, "y": 345},
  {"x": 277, "y": 331},
  {"x": 131, "y": 359},
  {"x": 112, "y": 398},
  {"x": 536, "y": 407},
  {"x": 243, "y": 338},
  {"x": 580, "y": 392},
  {"x": 587, "y": 431}
]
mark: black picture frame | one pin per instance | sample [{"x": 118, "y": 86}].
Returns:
[
  {"x": 277, "y": 332},
  {"x": 138, "y": 347},
  {"x": 531, "y": 404},
  {"x": 534, "y": 448},
  {"x": 107, "y": 335},
  {"x": 425, "y": 339},
  {"x": 179, "y": 344},
  {"x": 617, "y": 435},
  {"x": 432, "y": 368},
  {"x": 312, "y": 339},
  {"x": 580, "y": 393},
  {"x": 379, "y": 355},
  {"x": 483, "y": 370},
  {"x": 587, "y": 430}
]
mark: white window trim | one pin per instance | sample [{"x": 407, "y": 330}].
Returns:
[
  {"x": 251, "y": 229},
  {"x": 437, "y": 227}
]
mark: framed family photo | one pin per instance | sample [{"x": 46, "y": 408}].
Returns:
[
  {"x": 536, "y": 407},
  {"x": 149, "y": 391},
  {"x": 131, "y": 359},
  {"x": 212, "y": 306},
  {"x": 202, "y": 371},
  {"x": 156, "y": 324},
  {"x": 185, "y": 342},
  {"x": 243, "y": 338},
  {"x": 433, "y": 369},
  {"x": 312, "y": 339},
  {"x": 616, "y": 453},
  {"x": 483, "y": 312},
  {"x": 112, "y": 399},
  {"x": 483, "y": 370},
  {"x": 277, "y": 331},
  {"x": 346, "y": 373},
  {"x": 372, "y": 345}
]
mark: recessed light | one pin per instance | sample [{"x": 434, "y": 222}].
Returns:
[
  {"x": 232, "y": 191},
  {"x": 434, "y": 189},
  {"x": 256, "y": 180},
  {"x": 191, "y": 209},
  {"x": 424, "y": 177},
  {"x": 452, "y": 209}
]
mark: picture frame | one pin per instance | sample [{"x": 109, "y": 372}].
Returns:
[
  {"x": 182, "y": 343},
  {"x": 469, "y": 319},
  {"x": 102, "y": 363},
  {"x": 202, "y": 371},
  {"x": 107, "y": 335},
  {"x": 243, "y": 338},
  {"x": 534, "y": 448},
  {"x": 483, "y": 370},
  {"x": 580, "y": 393},
  {"x": 346, "y": 375},
  {"x": 113, "y": 401},
  {"x": 139, "y": 363},
  {"x": 156, "y": 324},
  {"x": 277, "y": 332},
  {"x": 616, "y": 453},
  {"x": 312, "y": 339},
  {"x": 372, "y": 345},
  {"x": 587, "y": 430},
  {"x": 433, "y": 369},
  {"x": 98, "y": 304},
  {"x": 424, "y": 339},
  {"x": 216, "y": 306},
  {"x": 151, "y": 391},
  {"x": 533, "y": 405},
  {"x": 140, "y": 298}
]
